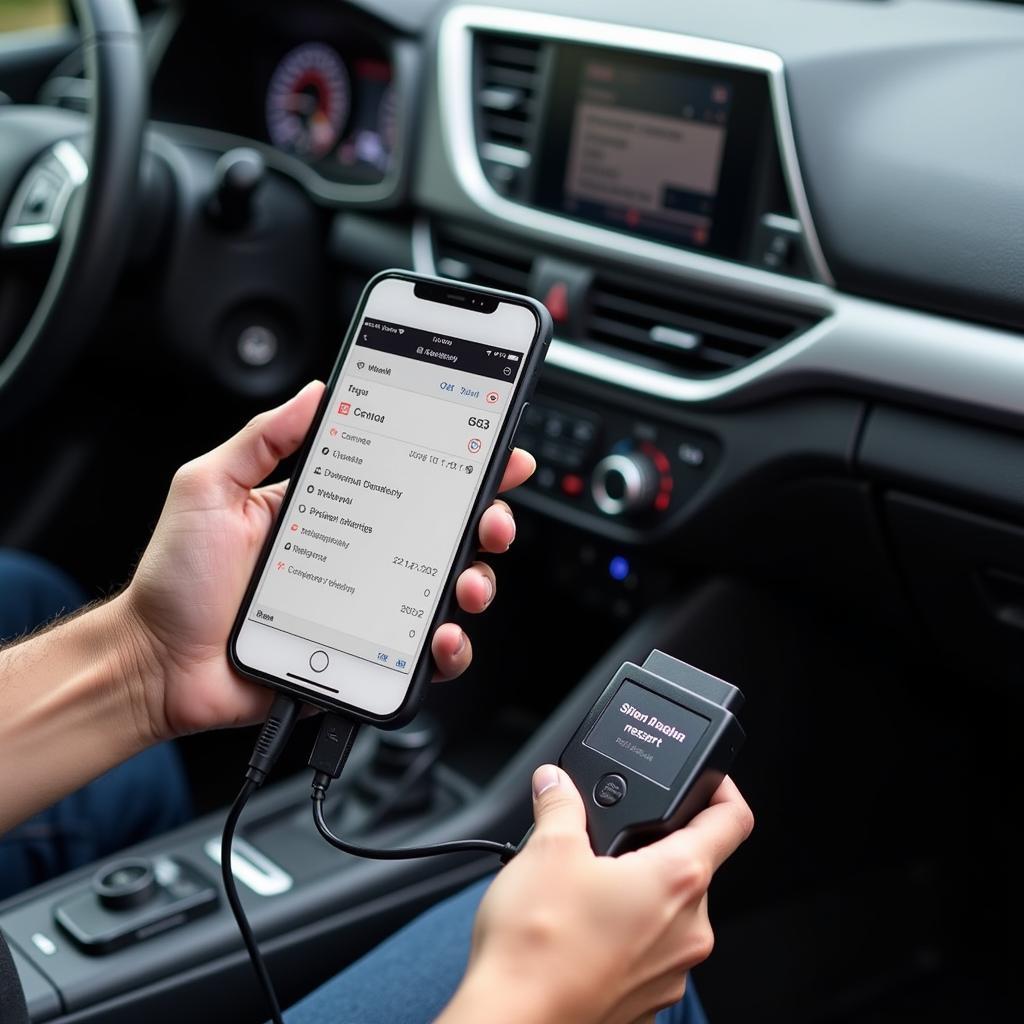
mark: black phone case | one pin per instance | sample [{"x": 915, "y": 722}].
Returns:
[{"x": 420, "y": 675}]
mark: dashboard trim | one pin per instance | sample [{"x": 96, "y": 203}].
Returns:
[
  {"x": 861, "y": 346},
  {"x": 455, "y": 70}
]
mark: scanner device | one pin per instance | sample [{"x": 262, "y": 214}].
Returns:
[{"x": 652, "y": 750}]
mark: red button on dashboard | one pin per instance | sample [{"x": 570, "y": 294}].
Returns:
[{"x": 572, "y": 485}]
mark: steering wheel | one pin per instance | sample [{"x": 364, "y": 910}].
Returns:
[{"x": 74, "y": 179}]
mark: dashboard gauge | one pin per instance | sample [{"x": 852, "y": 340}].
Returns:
[{"x": 308, "y": 101}]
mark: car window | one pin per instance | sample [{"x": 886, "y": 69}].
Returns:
[{"x": 22, "y": 14}]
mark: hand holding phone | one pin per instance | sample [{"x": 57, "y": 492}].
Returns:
[{"x": 403, "y": 457}]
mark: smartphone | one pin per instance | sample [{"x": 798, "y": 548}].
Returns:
[{"x": 406, "y": 452}]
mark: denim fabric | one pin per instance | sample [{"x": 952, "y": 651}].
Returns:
[
  {"x": 138, "y": 799},
  {"x": 409, "y": 978}
]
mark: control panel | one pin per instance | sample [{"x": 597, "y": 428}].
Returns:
[{"x": 614, "y": 465}]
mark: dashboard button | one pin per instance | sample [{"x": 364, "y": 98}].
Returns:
[{"x": 318, "y": 661}]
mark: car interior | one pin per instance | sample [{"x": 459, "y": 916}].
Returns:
[{"x": 779, "y": 436}]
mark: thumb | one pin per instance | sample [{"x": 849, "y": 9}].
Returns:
[
  {"x": 557, "y": 806},
  {"x": 254, "y": 452}
]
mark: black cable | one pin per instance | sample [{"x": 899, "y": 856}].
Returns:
[
  {"x": 327, "y": 759},
  {"x": 273, "y": 738},
  {"x": 503, "y": 850},
  {"x": 258, "y": 964}
]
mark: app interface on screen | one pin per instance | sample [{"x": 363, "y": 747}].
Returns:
[
  {"x": 365, "y": 547},
  {"x": 646, "y": 149}
]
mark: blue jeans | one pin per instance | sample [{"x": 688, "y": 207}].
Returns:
[
  {"x": 410, "y": 977},
  {"x": 134, "y": 801}
]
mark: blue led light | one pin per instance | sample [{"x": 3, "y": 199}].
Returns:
[{"x": 618, "y": 568}]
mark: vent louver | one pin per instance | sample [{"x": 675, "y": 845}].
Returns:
[
  {"x": 698, "y": 334},
  {"x": 507, "y": 78},
  {"x": 466, "y": 256},
  {"x": 686, "y": 331}
]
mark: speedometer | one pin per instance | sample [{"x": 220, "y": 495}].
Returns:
[{"x": 308, "y": 101}]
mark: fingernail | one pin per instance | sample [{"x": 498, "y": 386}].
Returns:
[
  {"x": 490, "y": 590},
  {"x": 545, "y": 777},
  {"x": 461, "y": 644},
  {"x": 512, "y": 522}
]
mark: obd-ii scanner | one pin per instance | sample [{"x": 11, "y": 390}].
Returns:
[
  {"x": 647, "y": 758},
  {"x": 652, "y": 751}
]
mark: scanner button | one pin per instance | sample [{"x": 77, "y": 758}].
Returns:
[
  {"x": 318, "y": 661},
  {"x": 610, "y": 789}
]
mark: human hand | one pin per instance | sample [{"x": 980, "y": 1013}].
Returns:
[
  {"x": 563, "y": 935},
  {"x": 183, "y": 599}
]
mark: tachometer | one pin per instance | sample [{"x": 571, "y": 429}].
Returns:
[{"x": 308, "y": 101}]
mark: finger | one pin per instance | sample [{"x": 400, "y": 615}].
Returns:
[
  {"x": 254, "y": 452},
  {"x": 715, "y": 834},
  {"x": 452, "y": 651},
  {"x": 497, "y": 528},
  {"x": 518, "y": 470},
  {"x": 475, "y": 588},
  {"x": 557, "y": 805}
]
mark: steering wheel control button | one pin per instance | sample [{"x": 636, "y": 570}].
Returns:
[
  {"x": 319, "y": 660},
  {"x": 125, "y": 884},
  {"x": 610, "y": 789},
  {"x": 37, "y": 209}
]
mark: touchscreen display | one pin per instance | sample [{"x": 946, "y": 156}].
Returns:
[
  {"x": 647, "y": 733},
  {"x": 364, "y": 549},
  {"x": 645, "y": 149}
]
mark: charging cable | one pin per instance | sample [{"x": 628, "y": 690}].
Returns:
[
  {"x": 327, "y": 759},
  {"x": 330, "y": 752},
  {"x": 273, "y": 738}
]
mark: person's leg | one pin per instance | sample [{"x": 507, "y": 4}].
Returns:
[
  {"x": 138, "y": 799},
  {"x": 32, "y": 592},
  {"x": 409, "y": 978}
]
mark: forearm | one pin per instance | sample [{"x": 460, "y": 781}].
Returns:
[{"x": 71, "y": 708}]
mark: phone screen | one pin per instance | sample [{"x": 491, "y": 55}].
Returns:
[{"x": 364, "y": 549}]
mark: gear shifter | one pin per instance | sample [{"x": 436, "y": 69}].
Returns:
[{"x": 398, "y": 779}]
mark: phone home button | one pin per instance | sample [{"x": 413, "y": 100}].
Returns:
[{"x": 318, "y": 661}]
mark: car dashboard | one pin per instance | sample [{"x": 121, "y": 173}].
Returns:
[{"x": 781, "y": 244}]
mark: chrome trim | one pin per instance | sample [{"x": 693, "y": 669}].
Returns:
[
  {"x": 63, "y": 160},
  {"x": 672, "y": 337},
  {"x": 860, "y": 344},
  {"x": 73, "y": 161},
  {"x": 508, "y": 155},
  {"x": 777, "y": 222},
  {"x": 632, "y": 482},
  {"x": 251, "y": 867},
  {"x": 455, "y": 79}
]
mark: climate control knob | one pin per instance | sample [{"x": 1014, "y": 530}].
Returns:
[{"x": 623, "y": 483}]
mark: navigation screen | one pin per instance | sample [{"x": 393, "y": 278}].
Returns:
[{"x": 645, "y": 150}]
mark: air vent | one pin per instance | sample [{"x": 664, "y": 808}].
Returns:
[
  {"x": 691, "y": 332},
  {"x": 490, "y": 261},
  {"x": 507, "y": 80}
]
